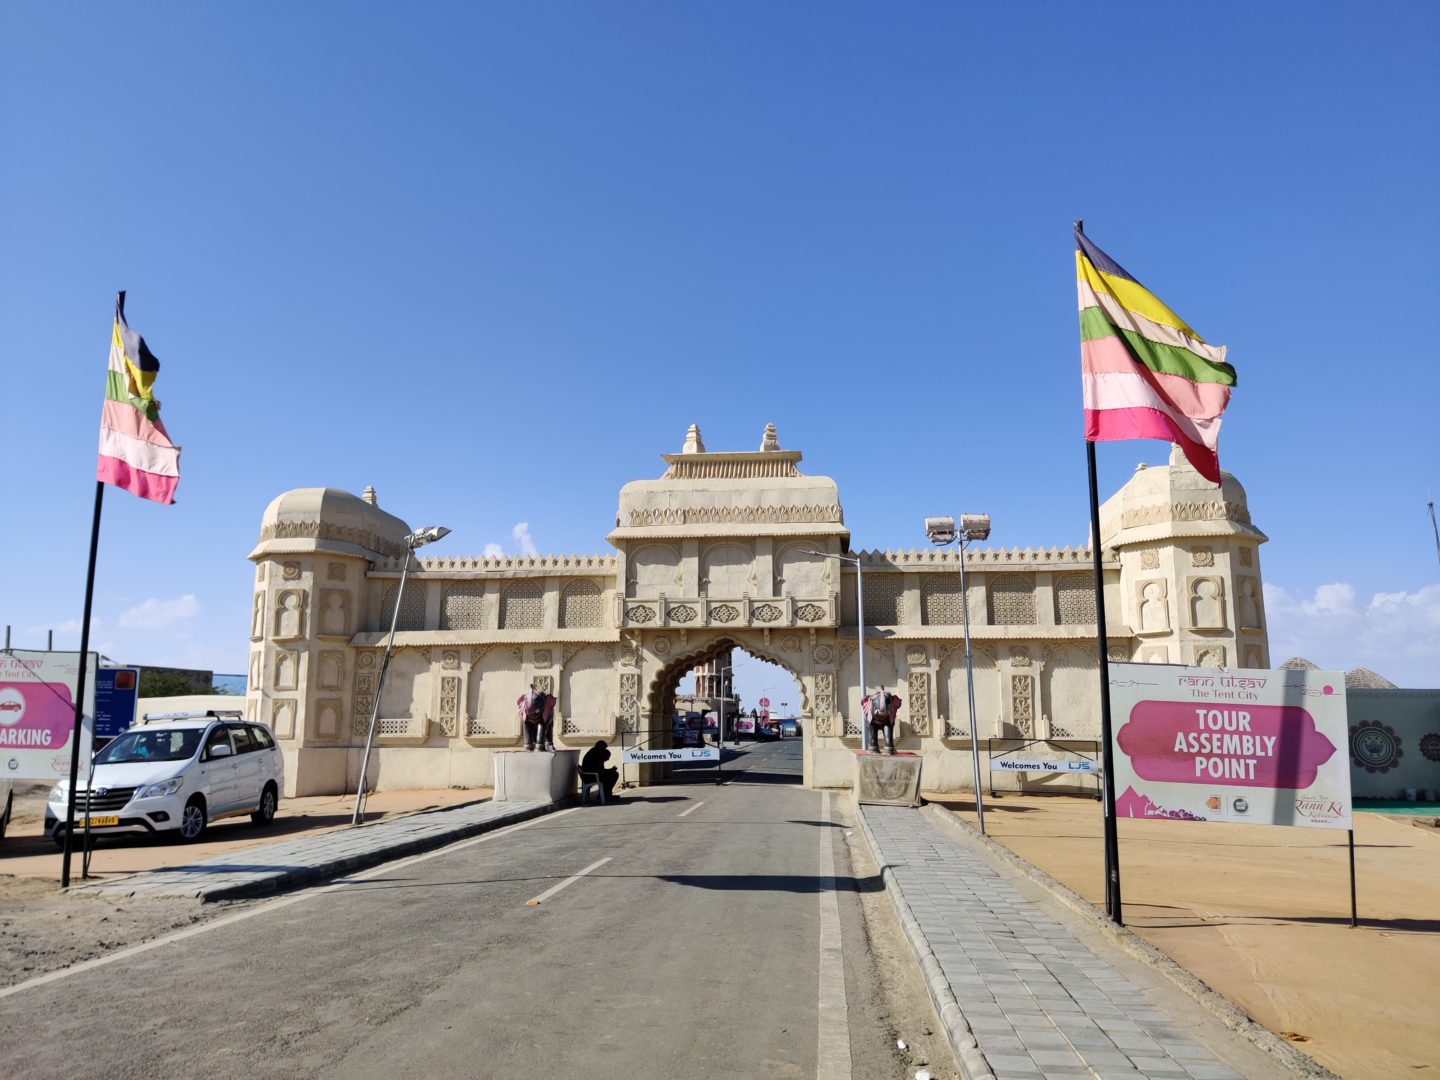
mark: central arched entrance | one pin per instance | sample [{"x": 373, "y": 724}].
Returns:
[{"x": 723, "y": 679}]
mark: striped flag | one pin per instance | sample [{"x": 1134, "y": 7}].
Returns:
[
  {"x": 135, "y": 450},
  {"x": 1146, "y": 374}
]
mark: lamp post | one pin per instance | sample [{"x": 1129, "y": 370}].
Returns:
[
  {"x": 860, "y": 619},
  {"x": 941, "y": 531},
  {"x": 419, "y": 538}
]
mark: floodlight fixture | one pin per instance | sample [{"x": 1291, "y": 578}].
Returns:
[
  {"x": 975, "y": 526},
  {"x": 427, "y": 535},
  {"x": 940, "y": 530}
]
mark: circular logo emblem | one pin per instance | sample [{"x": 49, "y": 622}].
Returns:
[
  {"x": 1430, "y": 746},
  {"x": 1241, "y": 805},
  {"x": 1375, "y": 747},
  {"x": 12, "y": 705}
]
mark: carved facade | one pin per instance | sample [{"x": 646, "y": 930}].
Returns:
[{"x": 725, "y": 550}]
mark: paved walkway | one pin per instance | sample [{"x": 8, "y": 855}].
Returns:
[
  {"x": 269, "y": 868},
  {"x": 1019, "y": 994}
]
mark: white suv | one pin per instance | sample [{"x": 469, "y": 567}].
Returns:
[{"x": 175, "y": 772}]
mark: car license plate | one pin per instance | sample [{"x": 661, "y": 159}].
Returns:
[{"x": 108, "y": 819}]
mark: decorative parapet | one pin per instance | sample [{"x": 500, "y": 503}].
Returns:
[
  {"x": 759, "y": 612},
  {"x": 586, "y": 564},
  {"x": 922, "y": 558},
  {"x": 827, "y": 514}
]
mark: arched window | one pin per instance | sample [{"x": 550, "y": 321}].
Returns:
[
  {"x": 581, "y": 605},
  {"x": 1012, "y": 600},
  {"x": 940, "y": 599},
  {"x": 523, "y": 606},
  {"x": 884, "y": 599},
  {"x": 412, "y": 608},
  {"x": 463, "y": 606},
  {"x": 1074, "y": 599}
]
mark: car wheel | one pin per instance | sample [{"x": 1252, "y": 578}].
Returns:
[
  {"x": 265, "y": 812},
  {"x": 59, "y": 836},
  {"x": 5, "y": 817},
  {"x": 193, "y": 819}
]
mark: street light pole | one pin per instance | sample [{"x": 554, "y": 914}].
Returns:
[
  {"x": 860, "y": 619},
  {"x": 419, "y": 538},
  {"x": 942, "y": 531}
]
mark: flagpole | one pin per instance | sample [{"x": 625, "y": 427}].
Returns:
[
  {"x": 80, "y": 684},
  {"x": 1112, "y": 843}
]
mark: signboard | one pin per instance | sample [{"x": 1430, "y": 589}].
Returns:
[
  {"x": 37, "y": 713},
  {"x": 745, "y": 725},
  {"x": 1042, "y": 765},
  {"x": 764, "y": 703},
  {"x": 115, "y": 691},
  {"x": 679, "y": 756},
  {"x": 1255, "y": 747}
]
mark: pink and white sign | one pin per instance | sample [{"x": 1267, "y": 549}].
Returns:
[
  {"x": 37, "y": 713},
  {"x": 1257, "y": 747}
]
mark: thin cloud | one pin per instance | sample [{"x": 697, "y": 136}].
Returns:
[
  {"x": 1396, "y": 634},
  {"x": 521, "y": 532},
  {"x": 156, "y": 614},
  {"x": 524, "y": 542}
]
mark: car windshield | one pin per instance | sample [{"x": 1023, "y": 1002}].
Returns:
[{"x": 176, "y": 744}]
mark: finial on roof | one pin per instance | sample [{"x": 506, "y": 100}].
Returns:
[
  {"x": 368, "y": 495},
  {"x": 769, "y": 441},
  {"x": 693, "y": 443}
]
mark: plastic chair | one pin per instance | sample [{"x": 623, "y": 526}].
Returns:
[{"x": 587, "y": 781}]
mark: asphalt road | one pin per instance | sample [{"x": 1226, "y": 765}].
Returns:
[{"x": 716, "y": 931}]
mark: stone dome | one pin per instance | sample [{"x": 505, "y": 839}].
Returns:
[
  {"x": 1172, "y": 501},
  {"x": 324, "y": 519}
]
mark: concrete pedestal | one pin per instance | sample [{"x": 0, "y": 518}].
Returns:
[
  {"x": 882, "y": 780},
  {"x": 535, "y": 775}
]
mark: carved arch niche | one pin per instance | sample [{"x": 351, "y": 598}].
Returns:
[
  {"x": 1068, "y": 694},
  {"x": 495, "y": 682},
  {"x": 588, "y": 697},
  {"x": 1206, "y": 602},
  {"x": 952, "y": 703},
  {"x": 727, "y": 570},
  {"x": 651, "y": 570},
  {"x": 800, "y": 573},
  {"x": 880, "y": 670}
]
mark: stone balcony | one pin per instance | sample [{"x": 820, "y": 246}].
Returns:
[{"x": 761, "y": 613}]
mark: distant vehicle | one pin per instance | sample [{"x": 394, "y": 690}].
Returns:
[
  {"x": 768, "y": 728},
  {"x": 689, "y": 729},
  {"x": 789, "y": 729},
  {"x": 175, "y": 772}
]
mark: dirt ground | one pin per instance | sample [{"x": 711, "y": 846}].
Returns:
[
  {"x": 1261, "y": 914},
  {"x": 43, "y": 928}
]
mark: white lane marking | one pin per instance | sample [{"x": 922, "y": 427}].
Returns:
[
  {"x": 832, "y": 1057},
  {"x": 693, "y": 808},
  {"x": 568, "y": 881},
  {"x": 269, "y": 906}
]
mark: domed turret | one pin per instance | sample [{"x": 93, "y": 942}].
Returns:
[{"x": 323, "y": 519}]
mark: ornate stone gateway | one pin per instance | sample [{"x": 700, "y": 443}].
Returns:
[{"x": 724, "y": 550}]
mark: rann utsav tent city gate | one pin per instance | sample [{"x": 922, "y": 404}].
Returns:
[{"x": 720, "y": 552}]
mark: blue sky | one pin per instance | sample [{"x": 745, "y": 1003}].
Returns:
[{"x": 494, "y": 258}]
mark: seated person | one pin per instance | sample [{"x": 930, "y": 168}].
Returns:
[{"x": 594, "y": 763}]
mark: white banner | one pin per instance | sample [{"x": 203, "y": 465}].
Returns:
[
  {"x": 682, "y": 755},
  {"x": 37, "y": 713},
  {"x": 1040, "y": 765},
  {"x": 1254, "y": 747}
]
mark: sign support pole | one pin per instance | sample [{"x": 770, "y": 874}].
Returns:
[{"x": 1354, "y": 921}]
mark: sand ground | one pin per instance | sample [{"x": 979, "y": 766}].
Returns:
[
  {"x": 1262, "y": 915},
  {"x": 43, "y": 928}
]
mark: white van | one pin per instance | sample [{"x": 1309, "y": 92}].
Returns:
[{"x": 175, "y": 772}]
